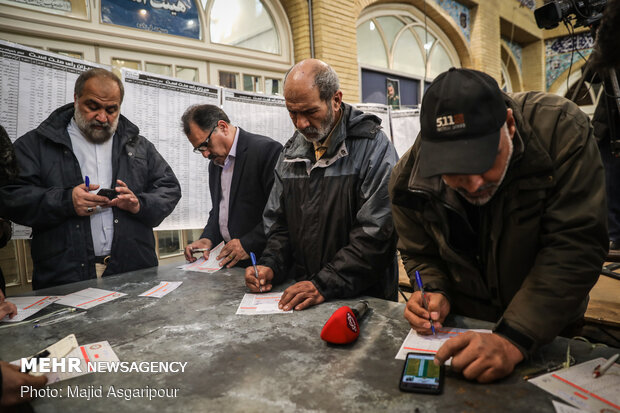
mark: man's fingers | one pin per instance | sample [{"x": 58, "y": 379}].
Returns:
[
  {"x": 305, "y": 304},
  {"x": 295, "y": 300},
  {"x": 36, "y": 381},
  {"x": 452, "y": 347},
  {"x": 233, "y": 262},
  {"x": 250, "y": 280},
  {"x": 188, "y": 254},
  {"x": 474, "y": 369}
]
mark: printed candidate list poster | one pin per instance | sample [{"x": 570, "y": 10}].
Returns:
[
  {"x": 155, "y": 104},
  {"x": 257, "y": 113},
  {"x": 405, "y": 129}
]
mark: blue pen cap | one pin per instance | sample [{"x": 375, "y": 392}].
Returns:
[{"x": 253, "y": 257}]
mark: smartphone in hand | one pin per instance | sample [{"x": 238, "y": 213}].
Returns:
[{"x": 108, "y": 193}]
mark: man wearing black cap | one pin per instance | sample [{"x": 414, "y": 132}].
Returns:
[{"x": 500, "y": 205}]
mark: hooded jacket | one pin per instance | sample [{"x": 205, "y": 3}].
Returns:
[
  {"x": 329, "y": 221},
  {"x": 542, "y": 237},
  {"x": 41, "y": 197}
]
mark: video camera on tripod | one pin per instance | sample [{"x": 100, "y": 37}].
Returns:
[
  {"x": 578, "y": 13},
  {"x": 587, "y": 12}
]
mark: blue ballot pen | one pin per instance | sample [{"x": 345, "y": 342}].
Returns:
[
  {"x": 87, "y": 183},
  {"x": 418, "y": 280},
  {"x": 253, "y": 257}
]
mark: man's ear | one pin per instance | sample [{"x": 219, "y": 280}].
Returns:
[
  {"x": 510, "y": 123},
  {"x": 337, "y": 100}
]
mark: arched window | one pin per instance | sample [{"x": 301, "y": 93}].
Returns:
[
  {"x": 588, "y": 95},
  {"x": 511, "y": 80},
  {"x": 506, "y": 84},
  {"x": 243, "y": 23},
  {"x": 395, "y": 42}
]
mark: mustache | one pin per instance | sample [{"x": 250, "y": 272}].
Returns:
[{"x": 105, "y": 125}]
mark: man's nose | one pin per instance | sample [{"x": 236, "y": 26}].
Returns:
[
  {"x": 102, "y": 116},
  {"x": 301, "y": 122},
  {"x": 471, "y": 183},
  {"x": 205, "y": 154}
]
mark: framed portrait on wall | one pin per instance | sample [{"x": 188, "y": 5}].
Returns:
[{"x": 392, "y": 88}]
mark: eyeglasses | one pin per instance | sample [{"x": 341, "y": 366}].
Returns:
[{"x": 203, "y": 146}]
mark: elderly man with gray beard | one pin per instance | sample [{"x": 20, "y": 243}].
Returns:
[
  {"x": 76, "y": 233},
  {"x": 328, "y": 220}
]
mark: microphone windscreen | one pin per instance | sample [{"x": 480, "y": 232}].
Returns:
[{"x": 342, "y": 327}]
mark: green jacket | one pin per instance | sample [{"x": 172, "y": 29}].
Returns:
[{"x": 543, "y": 236}]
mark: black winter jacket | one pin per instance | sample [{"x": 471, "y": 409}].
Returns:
[
  {"x": 330, "y": 221},
  {"x": 41, "y": 197}
]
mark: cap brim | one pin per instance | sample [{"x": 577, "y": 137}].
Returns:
[{"x": 462, "y": 156}]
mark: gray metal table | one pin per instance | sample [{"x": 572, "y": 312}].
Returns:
[{"x": 258, "y": 363}]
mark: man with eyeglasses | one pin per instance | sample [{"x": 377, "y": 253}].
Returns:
[
  {"x": 240, "y": 179},
  {"x": 76, "y": 233}
]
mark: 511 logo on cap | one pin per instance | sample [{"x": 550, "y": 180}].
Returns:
[{"x": 450, "y": 122}]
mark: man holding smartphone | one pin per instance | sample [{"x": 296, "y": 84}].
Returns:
[{"x": 78, "y": 234}]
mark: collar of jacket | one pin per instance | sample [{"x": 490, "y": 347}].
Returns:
[
  {"x": 535, "y": 164},
  {"x": 60, "y": 118},
  {"x": 353, "y": 124}
]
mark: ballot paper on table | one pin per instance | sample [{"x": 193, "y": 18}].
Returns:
[
  {"x": 565, "y": 408},
  {"x": 100, "y": 352},
  {"x": 27, "y": 306},
  {"x": 89, "y": 298},
  {"x": 266, "y": 303},
  {"x": 68, "y": 348},
  {"x": 58, "y": 350},
  {"x": 209, "y": 266},
  {"x": 162, "y": 289},
  {"x": 418, "y": 343},
  {"x": 576, "y": 386}
]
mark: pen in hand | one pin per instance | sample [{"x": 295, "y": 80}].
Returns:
[
  {"x": 418, "y": 280},
  {"x": 253, "y": 257},
  {"x": 87, "y": 182}
]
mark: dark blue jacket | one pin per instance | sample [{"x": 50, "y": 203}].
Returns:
[
  {"x": 251, "y": 184},
  {"x": 41, "y": 197}
]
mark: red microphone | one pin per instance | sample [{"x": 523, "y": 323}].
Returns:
[{"x": 343, "y": 326}]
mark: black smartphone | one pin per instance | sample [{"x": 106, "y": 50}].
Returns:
[
  {"x": 108, "y": 193},
  {"x": 421, "y": 375}
]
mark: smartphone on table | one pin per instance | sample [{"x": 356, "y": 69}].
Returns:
[
  {"x": 421, "y": 375},
  {"x": 108, "y": 193}
]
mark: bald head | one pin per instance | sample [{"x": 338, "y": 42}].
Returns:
[
  {"x": 313, "y": 73},
  {"x": 313, "y": 98}
]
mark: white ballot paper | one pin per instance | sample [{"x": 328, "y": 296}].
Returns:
[
  {"x": 209, "y": 266},
  {"x": 89, "y": 298},
  {"x": 162, "y": 289},
  {"x": 576, "y": 386},
  {"x": 100, "y": 352},
  {"x": 417, "y": 343},
  {"x": 266, "y": 303},
  {"x": 27, "y": 306},
  {"x": 565, "y": 408}
]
